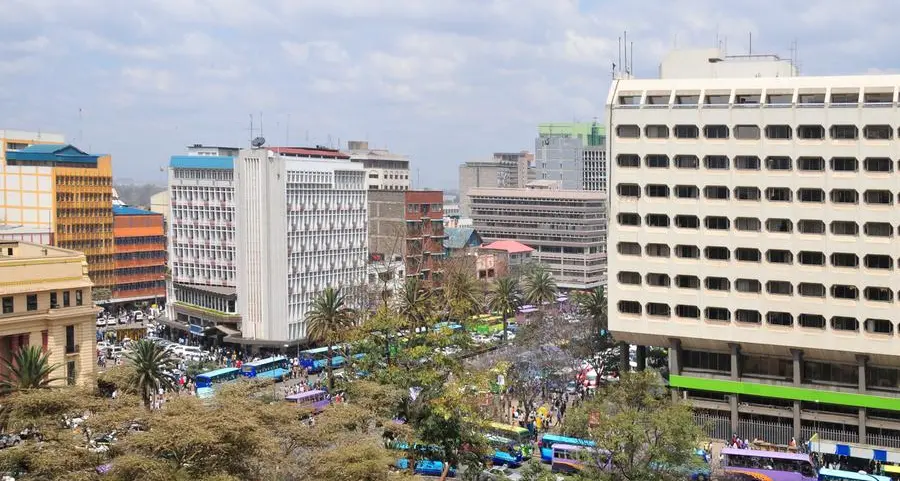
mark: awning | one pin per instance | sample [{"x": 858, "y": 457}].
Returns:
[
  {"x": 173, "y": 324},
  {"x": 227, "y": 331}
]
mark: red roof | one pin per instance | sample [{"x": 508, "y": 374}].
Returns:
[
  {"x": 308, "y": 152},
  {"x": 509, "y": 246}
]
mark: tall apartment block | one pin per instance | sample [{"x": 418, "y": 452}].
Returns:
[
  {"x": 140, "y": 239},
  {"x": 755, "y": 236},
  {"x": 57, "y": 188},
  {"x": 573, "y": 154},
  {"x": 566, "y": 228},
  {"x": 384, "y": 170},
  {"x": 408, "y": 226},
  {"x": 506, "y": 170},
  {"x": 300, "y": 219}
]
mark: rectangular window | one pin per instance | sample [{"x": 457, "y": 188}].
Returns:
[
  {"x": 70, "y": 339},
  {"x": 66, "y": 302},
  {"x": 70, "y": 373},
  {"x": 79, "y": 300},
  {"x": 31, "y": 303},
  {"x": 53, "y": 301},
  {"x": 8, "y": 305}
]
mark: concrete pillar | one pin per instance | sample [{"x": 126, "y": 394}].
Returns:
[
  {"x": 735, "y": 418},
  {"x": 861, "y": 360},
  {"x": 797, "y": 358},
  {"x": 674, "y": 363},
  {"x": 735, "y": 361},
  {"x": 624, "y": 365},
  {"x": 641, "y": 358}
]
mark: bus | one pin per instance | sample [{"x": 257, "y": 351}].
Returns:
[
  {"x": 506, "y": 452},
  {"x": 518, "y": 434},
  {"x": 893, "y": 472},
  {"x": 276, "y": 368},
  {"x": 548, "y": 440},
  {"x": 316, "y": 399},
  {"x": 568, "y": 458},
  {"x": 774, "y": 466},
  {"x": 316, "y": 360},
  {"x": 208, "y": 380},
  {"x": 826, "y": 474},
  {"x": 424, "y": 466}
]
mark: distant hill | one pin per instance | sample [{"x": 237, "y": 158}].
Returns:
[{"x": 137, "y": 195}]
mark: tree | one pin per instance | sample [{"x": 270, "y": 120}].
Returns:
[
  {"x": 29, "y": 368},
  {"x": 651, "y": 437},
  {"x": 152, "y": 367},
  {"x": 414, "y": 304},
  {"x": 540, "y": 287},
  {"x": 593, "y": 304},
  {"x": 328, "y": 319},
  {"x": 505, "y": 298}
]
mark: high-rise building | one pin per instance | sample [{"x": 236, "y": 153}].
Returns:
[
  {"x": 566, "y": 228},
  {"x": 408, "y": 226},
  {"x": 384, "y": 170},
  {"x": 300, "y": 219},
  {"x": 755, "y": 237},
  {"x": 58, "y": 188},
  {"x": 505, "y": 170},
  {"x": 573, "y": 154},
  {"x": 46, "y": 301},
  {"x": 140, "y": 239}
]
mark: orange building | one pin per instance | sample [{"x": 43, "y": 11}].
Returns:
[{"x": 140, "y": 255}]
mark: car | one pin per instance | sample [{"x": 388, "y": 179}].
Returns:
[
  {"x": 481, "y": 339},
  {"x": 137, "y": 315},
  {"x": 101, "y": 322},
  {"x": 571, "y": 387},
  {"x": 494, "y": 473},
  {"x": 192, "y": 353}
]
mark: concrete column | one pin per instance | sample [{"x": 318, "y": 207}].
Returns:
[
  {"x": 797, "y": 357},
  {"x": 735, "y": 361},
  {"x": 641, "y": 358},
  {"x": 861, "y": 361},
  {"x": 624, "y": 366},
  {"x": 735, "y": 418},
  {"x": 674, "y": 363}
]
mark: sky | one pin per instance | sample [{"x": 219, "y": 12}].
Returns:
[{"x": 441, "y": 81}]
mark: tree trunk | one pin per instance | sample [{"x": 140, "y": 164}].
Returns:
[
  {"x": 445, "y": 471},
  {"x": 505, "y": 327},
  {"x": 330, "y": 369}
]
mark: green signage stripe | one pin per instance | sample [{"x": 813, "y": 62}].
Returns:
[{"x": 786, "y": 392}]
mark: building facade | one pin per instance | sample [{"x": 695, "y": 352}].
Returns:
[
  {"x": 384, "y": 170},
  {"x": 301, "y": 218},
  {"x": 140, "y": 240},
  {"x": 755, "y": 237},
  {"x": 573, "y": 154},
  {"x": 506, "y": 170},
  {"x": 408, "y": 226},
  {"x": 566, "y": 228},
  {"x": 46, "y": 301}
]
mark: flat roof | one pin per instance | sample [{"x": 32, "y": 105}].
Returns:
[
  {"x": 538, "y": 193},
  {"x": 309, "y": 152},
  {"x": 127, "y": 210},
  {"x": 52, "y": 153},
  {"x": 28, "y": 250},
  {"x": 201, "y": 162}
]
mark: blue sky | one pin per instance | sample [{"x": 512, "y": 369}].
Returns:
[{"x": 441, "y": 81}]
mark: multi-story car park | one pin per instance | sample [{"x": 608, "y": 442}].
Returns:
[{"x": 753, "y": 233}]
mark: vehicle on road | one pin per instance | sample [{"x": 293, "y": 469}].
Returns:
[
  {"x": 505, "y": 451},
  {"x": 518, "y": 434},
  {"x": 548, "y": 440},
  {"x": 569, "y": 458},
  {"x": 208, "y": 381},
  {"x": 775, "y": 465},
  {"x": 317, "y": 400},
  {"x": 426, "y": 467},
  {"x": 276, "y": 368}
]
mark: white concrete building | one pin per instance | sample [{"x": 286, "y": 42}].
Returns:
[
  {"x": 301, "y": 227},
  {"x": 384, "y": 170},
  {"x": 753, "y": 232}
]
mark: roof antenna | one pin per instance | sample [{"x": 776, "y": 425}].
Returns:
[
  {"x": 626, "y": 53},
  {"x": 251, "y": 130}
]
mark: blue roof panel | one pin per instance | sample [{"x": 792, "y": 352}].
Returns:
[
  {"x": 126, "y": 210},
  {"x": 201, "y": 162},
  {"x": 52, "y": 153}
]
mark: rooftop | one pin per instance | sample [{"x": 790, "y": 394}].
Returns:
[
  {"x": 27, "y": 250},
  {"x": 309, "y": 152},
  {"x": 201, "y": 162},
  {"x": 510, "y": 246},
  {"x": 126, "y": 210},
  {"x": 458, "y": 237},
  {"x": 66, "y": 153},
  {"x": 538, "y": 193},
  {"x": 21, "y": 229}
]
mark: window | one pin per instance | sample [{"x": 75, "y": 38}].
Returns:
[
  {"x": 630, "y": 278},
  {"x": 715, "y": 162},
  {"x": 629, "y": 219},
  {"x": 629, "y": 248},
  {"x": 687, "y": 221},
  {"x": 779, "y": 99},
  {"x": 844, "y": 164},
  {"x": 783, "y": 226},
  {"x": 687, "y": 162},
  {"x": 66, "y": 302},
  {"x": 687, "y": 131},
  {"x": 878, "y": 229},
  {"x": 810, "y": 132},
  {"x": 811, "y": 164},
  {"x": 658, "y": 280},
  {"x": 878, "y": 197},
  {"x": 629, "y": 99},
  {"x": 718, "y": 314},
  {"x": 657, "y": 250},
  {"x": 747, "y": 224},
  {"x": 879, "y": 294},
  {"x": 879, "y": 326},
  {"x": 778, "y": 132},
  {"x": 746, "y": 132},
  {"x": 8, "y": 305},
  {"x": 658, "y": 310},
  {"x": 811, "y": 226},
  {"x": 780, "y": 319},
  {"x": 747, "y": 254},
  {"x": 844, "y": 132},
  {"x": 844, "y": 259},
  {"x": 779, "y": 256},
  {"x": 70, "y": 373},
  {"x": 717, "y": 284},
  {"x": 778, "y": 163},
  {"x": 657, "y": 220},
  {"x": 687, "y": 192},
  {"x": 780, "y": 288},
  {"x": 657, "y": 190},
  {"x": 747, "y": 316},
  {"x": 53, "y": 301},
  {"x": 31, "y": 303},
  {"x": 687, "y": 282},
  {"x": 844, "y": 196},
  {"x": 628, "y": 131},
  {"x": 878, "y": 132},
  {"x": 656, "y": 131},
  {"x": 719, "y": 192},
  {"x": 746, "y": 99},
  {"x": 717, "y": 99},
  {"x": 715, "y": 131},
  {"x": 778, "y": 194},
  {"x": 628, "y": 190},
  {"x": 841, "y": 291},
  {"x": 688, "y": 312},
  {"x": 657, "y": 161},
  {"x": 630, "y": 307},
  {"x": 812, "y": 321},
  {"x": 811, "y": 258},
  {"x": 657, "y": 99},
  {"x": 687, "y": 99},
  {"x": 811, "y": 98},
  {"x": 845, "y": 98},
  {"x": 746, "y": 193},
  {"x": 841, "y": 323},
  {"x": 878, "y": 261},
  {"x": 717, "y": 253},
  {"x": 746, "y": 162},
  {"x": 811, "y": 195},
  {"x": 878, "y": 164},
  {"x": 70, "y": 339},
  {"x": 808, "y": 289},
  {"x": 717, "y": 222},
  {"x": 843, "y": 227},
  {"x": 628, "y": 160},
  {"x": 687, "y": 252},
  {"x": 748, "y": 286}
]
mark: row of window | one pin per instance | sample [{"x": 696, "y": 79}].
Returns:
[
  {"x": 753, "y": 163},
  {"x": 754, "y": 132},
  {"x": 747, "y": 316},
  {"x": 752, "y": 254},
  {"x": 752, "y": 224},
  {"x": 753, "y": 286},
  {"x": 31, "y": 301},
  {"x": 751, "y": 193},
  {"x": 781, "y": 99}
]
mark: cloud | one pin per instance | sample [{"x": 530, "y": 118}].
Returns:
[{"x": 440, "y": 81}]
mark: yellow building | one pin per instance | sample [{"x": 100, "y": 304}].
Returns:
[
  {"x": 47, "y": 184},
  {"x": 45, "y": 296}
]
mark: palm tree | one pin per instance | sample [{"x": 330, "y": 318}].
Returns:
[
  {"x": 329, "y": 317},
  {"x": 152, "y": 365},
  {"x": 593, "y": 303},
  {"x": 414, "y": 303},
  {"x": 462, "y": 295},
  {"x": 540, "y": 287},
  {"x": 29, "y": 368},
  {"x": 505, "y": 298}
]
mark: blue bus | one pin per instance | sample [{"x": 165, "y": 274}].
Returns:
[
  {"x": 316, "y": 360},
  {"x": 208, "y": 380},
  {"x": 826, "y": 474},
  {"x": 276, "y": 368},
  {"x": 426, "y": 467},
  {"x": 548, "y": 440},
  {"x": 506, "y": 451}
]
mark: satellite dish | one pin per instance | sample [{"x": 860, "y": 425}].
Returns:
[{"x": 258, "y": 142}]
